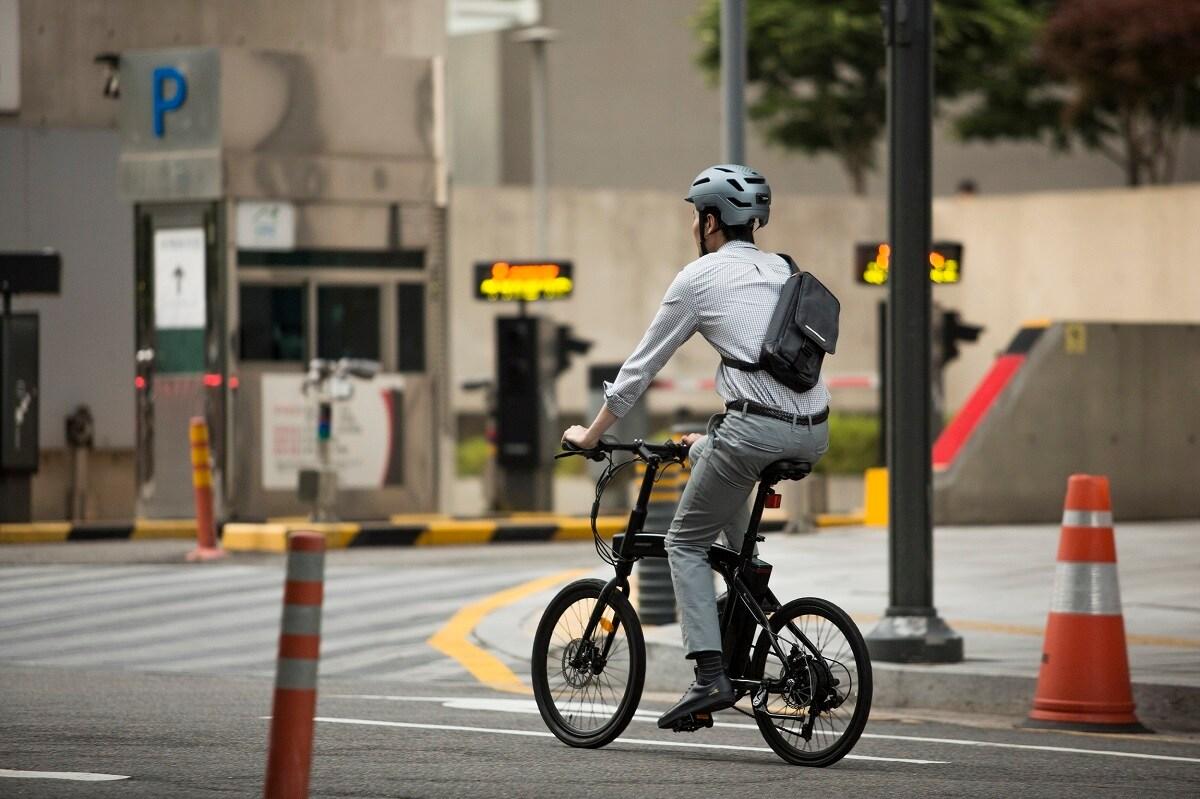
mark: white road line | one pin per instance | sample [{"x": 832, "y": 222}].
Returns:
[
  {"x": 79, "y": 776},
  {"x": 639, "y": 741},
  {"x": 528, "y": 706}
]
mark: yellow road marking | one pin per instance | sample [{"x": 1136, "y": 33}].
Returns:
[{"x": 454, "y": 637}]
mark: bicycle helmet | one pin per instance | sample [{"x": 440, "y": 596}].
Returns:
[{"x": 737, "y": 194}]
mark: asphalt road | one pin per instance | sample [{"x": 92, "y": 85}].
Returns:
[{"x": 417, "y": 724}]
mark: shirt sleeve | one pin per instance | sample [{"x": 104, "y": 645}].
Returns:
[{"x": 677, "y": 319}]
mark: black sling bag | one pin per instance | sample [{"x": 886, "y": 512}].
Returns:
[{"x": 803, "y": 329}]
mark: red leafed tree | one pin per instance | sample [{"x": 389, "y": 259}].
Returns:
[{"x": 1132, "y": 68}]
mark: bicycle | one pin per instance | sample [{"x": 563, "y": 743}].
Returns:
[{"x": 808, "y": 673}]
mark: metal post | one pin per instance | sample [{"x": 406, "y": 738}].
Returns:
[
  {"x": 911, "y": 630},
  {"x": 733, "y": 80},
  {"x": 538, "y": 38}
]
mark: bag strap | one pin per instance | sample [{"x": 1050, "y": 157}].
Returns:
[{"x": 746, "y": 366}]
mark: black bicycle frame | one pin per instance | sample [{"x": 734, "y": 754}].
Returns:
[{"x": 636, "y": 544}]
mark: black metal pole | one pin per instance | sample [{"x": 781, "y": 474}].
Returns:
[
  {"x": 883, "y": 382},
  {"x": 911, "y": 630}
]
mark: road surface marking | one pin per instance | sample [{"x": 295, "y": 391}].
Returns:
[
  {"x": 640, "y": 741},
  {"x": 529, "y": 706},
  {"x": 454, "y": 638},
  {"x": 79, "y": 776}
]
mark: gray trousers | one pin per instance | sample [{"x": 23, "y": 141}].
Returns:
[{"x": 726, "y": 463}]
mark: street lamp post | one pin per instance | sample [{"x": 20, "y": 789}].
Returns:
[
  {"x": 911, "y": 630},
  {"x": 733, "y": 81},
  {"x": 538, "y": 38}
]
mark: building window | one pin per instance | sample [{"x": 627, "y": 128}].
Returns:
[
  {"x": 272, "y": 323},
  {"x": 410, "y": 327},
  {"x": 348, "y": 322}
]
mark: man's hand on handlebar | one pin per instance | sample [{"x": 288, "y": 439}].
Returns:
[
  {"x": 691, "y": 438},
  {"x": 580, "y": 436}
]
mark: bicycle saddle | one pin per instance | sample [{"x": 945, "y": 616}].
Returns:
[{"x": 785, "y": 470}]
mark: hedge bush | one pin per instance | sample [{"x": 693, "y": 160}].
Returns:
[{"x": 853, "y": 447}]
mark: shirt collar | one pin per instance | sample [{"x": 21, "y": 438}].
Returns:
[{"x": 736, "y": 243}]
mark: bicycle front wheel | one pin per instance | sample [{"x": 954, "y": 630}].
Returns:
[
  {"x": 588, "y": 688},
  {"x": 814, "y": 704}
]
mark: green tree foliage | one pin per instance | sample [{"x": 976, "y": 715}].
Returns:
[
  {"x": 817, "y": 68},
  {"x": 1121, "y": 77}
]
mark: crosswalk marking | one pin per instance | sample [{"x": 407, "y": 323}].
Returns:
[{"x": 225, "y": 619}]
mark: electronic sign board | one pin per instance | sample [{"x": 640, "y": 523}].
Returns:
[
  {"x": 871, "y": 263},
  {"x": 523, "y": 280}
]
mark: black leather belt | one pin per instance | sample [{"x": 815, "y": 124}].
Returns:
[{"x": 755, "y": 409}]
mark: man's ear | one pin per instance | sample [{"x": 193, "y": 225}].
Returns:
[{"x": 710, "y": 224}]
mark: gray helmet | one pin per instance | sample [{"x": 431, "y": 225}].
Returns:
[{"x": 737, "y": 193}]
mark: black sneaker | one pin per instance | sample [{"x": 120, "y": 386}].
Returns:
[{"x": 701, "y": 697}]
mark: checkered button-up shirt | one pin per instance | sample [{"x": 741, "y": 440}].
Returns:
[{"x": 729, "y": 297}]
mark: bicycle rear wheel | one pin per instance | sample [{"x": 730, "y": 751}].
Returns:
[
  {"x": 814, "y": 708},
  {"x": 588, "y": 690}
]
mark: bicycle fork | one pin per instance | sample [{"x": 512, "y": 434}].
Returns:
[{"x": 618, "y": 583}]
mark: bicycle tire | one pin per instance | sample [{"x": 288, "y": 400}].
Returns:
[
  {"x": 559, "y": 705},
  {"x": 854, "y": 687}
]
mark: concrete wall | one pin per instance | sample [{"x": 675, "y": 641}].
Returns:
[
  {"x": 630, "y": 109},
  {"x": 65, "y": 185},
  {"x": 1112, "y": 399},
  {"x": 1116, "y": 255},
  {"x": 60, "y": 85}
]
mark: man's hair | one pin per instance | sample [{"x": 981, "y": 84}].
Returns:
[{"x": 732, "y": 232}]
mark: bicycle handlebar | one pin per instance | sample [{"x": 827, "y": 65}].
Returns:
[{"x": 670, "y": 450}]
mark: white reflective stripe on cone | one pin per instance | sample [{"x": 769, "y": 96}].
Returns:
[
  {"x": 305, "y": 567},
  {"x": 301, "y": 620},
  {"x": 298, "y": 674},
  {"x": 1086, "y": 588},
  {"x": 1087, "y": 518}
]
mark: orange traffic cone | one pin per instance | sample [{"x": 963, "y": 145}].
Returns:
[{"x": 1084, "y": 679}]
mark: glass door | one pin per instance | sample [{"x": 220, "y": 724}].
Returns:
[{"x": 180, "y": 354}]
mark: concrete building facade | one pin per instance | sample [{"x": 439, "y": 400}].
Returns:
[{"x": 59, "y": 152}]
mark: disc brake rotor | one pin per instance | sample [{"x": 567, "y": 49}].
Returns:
[{"x": 577, "y": 663}]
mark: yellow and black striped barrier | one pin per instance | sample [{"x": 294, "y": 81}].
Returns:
[
  {"x": 58, "y": 532},
  {"x": 271, "y": 536}
]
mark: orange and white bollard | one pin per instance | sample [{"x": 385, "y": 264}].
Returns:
[
  {"x": 1084, "y": 679},
  {"x": 207, "y": 547},
  {"x": 289, "y": 753}
]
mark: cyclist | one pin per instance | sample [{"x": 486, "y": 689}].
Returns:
[{"x": 728, "y": 295}]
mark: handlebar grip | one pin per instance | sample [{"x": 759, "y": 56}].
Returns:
[{"x": 571, "y": 449}]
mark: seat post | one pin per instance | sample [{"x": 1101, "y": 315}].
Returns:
[{"x": 751, "y": 536}]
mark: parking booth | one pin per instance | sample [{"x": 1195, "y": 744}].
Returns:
[{"x": 287, "y": 207}]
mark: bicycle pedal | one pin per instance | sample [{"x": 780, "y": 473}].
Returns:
[{"x": 696, "y": 721}]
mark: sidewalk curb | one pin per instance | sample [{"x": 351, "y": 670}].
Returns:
[
  {"x": 1165, "y": 707},
  {"x": 62, "y": 532},
  {"x": 427, "y": 531},
  {"x": 1176, "y": 708},
  {"x": 399, "y": 531}
]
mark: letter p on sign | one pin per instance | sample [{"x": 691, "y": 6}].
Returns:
[{"x": 163, "y": 103}]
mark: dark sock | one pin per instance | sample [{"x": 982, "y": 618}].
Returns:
[{"x": 708, "y": 665}]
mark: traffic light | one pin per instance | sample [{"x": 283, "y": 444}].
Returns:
[
  {"x": 954, "y": 330},
  {"x": 567, "y": 346}
]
